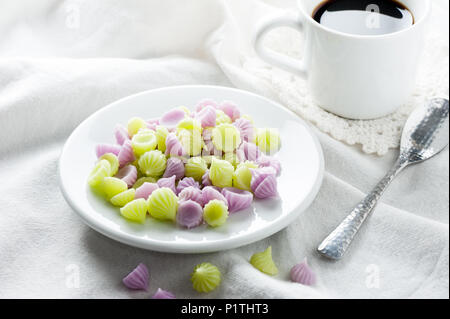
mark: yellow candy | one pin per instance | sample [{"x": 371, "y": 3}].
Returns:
[
  {"x": 205, "y": 277},
  {"x": 152, "y": 163},
  {"x": 195, "y": 168},
  {"x": 268, "y": 140},
  {"x": 135, "y": 210},
  {"x": 191, "y": 141},
  {"x": 113, "y": 161},
  {"x": 163, "y": 204},
  {"x": 143, "y": 180},
  {"x": 215, "y": 213},
  {"x": 209, "y": 158},
  {"x": 101, "y": 170},
  {"x": 190, "y": 124},
  {"x": 123, "y": 198},
  {"x": 222, "y": 118},
  {"x": 263, "y": 262},
  {"x": 135, "y": 124},
  {"x": 161, "y": 135},
  {"x": 242, "y": 176},
  {"x": 185, "y": 109},
  {"x": 112, "y": 186},
  {"x": 221, "y": 173},
  {"x": 231, "y": 158},
  {"x": 143, "y": 141},
  {"x": 226, "y": 137}
]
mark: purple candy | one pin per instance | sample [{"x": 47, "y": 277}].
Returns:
[
  {"x": 206, "y": 181},
  {"x": 173, "y": 145},
  {"x": 210, "y": 192},
  {"x": 207, "y": 116},
  {"x": 238, "y": 199},
  {"x": 230, "y": 109},
  {"x": 163, "y": 294},
  {"x": 189, "y": 214},
  {"x": 269, "y": 161},
  {"x": 264, "y": 182},
  {"x": 248, "y": 152},
  {"x": 175, "y": 166},
  {"x": 172, "y": 117},
  {"x": 168, "y": 182},
  {"x": 204, "y": 103},
  {"x": 186, "y": 182},
  {"x": 137, "y": 279},
  {"x": 145, "y": 190},
  {"x": 303, "y": 274},
  {"x": 126, "y": 154},
  {"x": 207, "y": 134},
  {"x": 128, "y": 174},
  {"x": 246, "y": 129},
  {"x": 191, "y": 193},
  {"x": 102, "y": 149},
  {"x": 121, "y": 134},
  {"x": 259, "y": 174}
]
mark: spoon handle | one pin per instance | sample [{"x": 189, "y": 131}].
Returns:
[{"x": 336, "y": 244}]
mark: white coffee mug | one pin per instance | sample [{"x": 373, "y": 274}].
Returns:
[{"x": 354, "y": 76}]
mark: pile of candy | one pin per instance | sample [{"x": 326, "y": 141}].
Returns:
[{"x": 188, "y": 167}]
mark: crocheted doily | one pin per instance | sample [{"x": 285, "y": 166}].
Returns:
[{"x": 373, "y": 136}]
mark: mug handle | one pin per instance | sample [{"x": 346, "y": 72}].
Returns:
[{"x": 282, "y": 61}]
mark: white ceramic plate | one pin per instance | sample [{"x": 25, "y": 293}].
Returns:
[{"x": 300, "y": 155}]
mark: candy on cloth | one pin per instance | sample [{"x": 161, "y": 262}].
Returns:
[
  {"x": 222, "y": 118},
  {"x": 210, "y": 192},
  {"x": 168, "y": 182},
  {"x": 226, "y": 137},
  {"x": 145, "y": 190},
  {"x": 172, "y": 117},
  {"x": 195, "y": 168},
  {"x": 186, "y": 182},
  {"x": 163, "y": 204},
  {"x": 206, "y": 181},
  {"x": 121, "y": 134},
  {"x": 303, "y": 274},
  {"x": 263, "y": 262},
  {"x": 191, "y": 193},
  {"x": 123, "y": 198},
  {"x": 269, "y": 161},
  {"x": 143, "y": 180},
  {"x": 191, "y": 141},
  {"x": 112, "y": 186},
  {"x": 237, "y": 199},
  {"x": 248, "y": 152},
  {"x": 173, "y": 146},
  {"x": 163, "y": 294},
  {"x": 134, "y": 125},
  {"x": 205, "y": 103},
  {"x": 207, "y": 116},
  {"x": 242, "y": 176},
  {"x": 215, "y": 213},
  {"x": 174, "y": 166},
  {"x": 136, "y": 210},
  {"x": 102, "y": 149},
  {"x": 231, "y": 158},
  {"x": 101, "y": 170},
  {"x": 205, "y": 277},
  {"x": 246, "y": 129},
  {"x": 268, "y": 140},
  {"x": 221, "y": 173},
  {"x": 190, "y": 214},
  {"x": 128, "y": 174},
  {"x": 126, "y": 154},
  {"x": 138, "y": 278},
  {"x": 143, "y": 141},
  {"x": 152, "y": 163},
  {"x": 230, "y": 109},
  {"x": 161, "y": 133},
  {"x": 113, "y": 161},
  {"x": 264, "y": 182}
]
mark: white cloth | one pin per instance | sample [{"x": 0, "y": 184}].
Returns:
[{"x": 62, "y": 60}]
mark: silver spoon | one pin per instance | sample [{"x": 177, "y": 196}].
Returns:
[{"x": 425, "y": 134}]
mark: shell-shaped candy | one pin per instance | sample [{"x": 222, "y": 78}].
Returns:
[
  {"x": 215, "y": 213},
  {"x": 248, "y": 152},
  {"x": 138, "y": 278},
  {"x": 113, "y": 161},
  {"x": 205, "y": 103},
  {"x": 163, "y": 294},
  {"x": 174, "y": 166},
  {"x": 161, "y": 133},
  {"x": 263, "y": 262},
  {"x": 173, "y": 145},
  {"x": 190, "y": 214},
  {"x": 168, "y": 182},
  {"x": 207, "y": 134},
  {"x": 242, "y": 176},
  {"x": 145, "y": 190},
  {"x": 186, "y": 182},
  {"x": 206, "y": 181},
  {"x": 152, "y": 163},
  {"x": 195, "y": 168},
  {"x": 221, "y": 173},
  {"x": 259, "y": 174},
  {"x": 163, "y": 204},
  {"x": 121, "y": 134},
  {"x": 142, "y": 180},
  {"x": 172, "y": 117},
  {"x": 135, "y": 210},
  {"x": 101, "y": 149},
  {"x": 123, "y": 198},
  {"x": 246, "y": 129},
  {"x": 190, "y": 124},
  {"x": 268, "y": 140},
  {"x": 237, "y": 199},
  {"x": 191, "y": 193},
  {"x": 269, "y": 161},
  {"x": 207, "y": 116},
  {"x": 143, "y": 141},
  {"x": 101, "y": 170},
  {"x": 303, "y": 274},
  {"x": 222, "y": 118},
  {"x": 210, "y": 192},
  {"x": 128, "y": 174},
  {"x": 226, "y": 137},
  {"x": 111, "y": 186},
  {"x": 230, "y": 109},
  {"x": 231, "y": 158},
  {"x": 134, "y": 125},
  {"x": 126, "y": 154},
  {"x": 205, "y": 277},
  {"x": 264, "y": 182},
  {"x": 191, "y": 141}
]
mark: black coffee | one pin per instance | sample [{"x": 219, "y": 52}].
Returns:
[{"x": 364, "y": 17}]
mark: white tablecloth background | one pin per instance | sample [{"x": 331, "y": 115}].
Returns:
[{"x": 62, "y": 60}]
